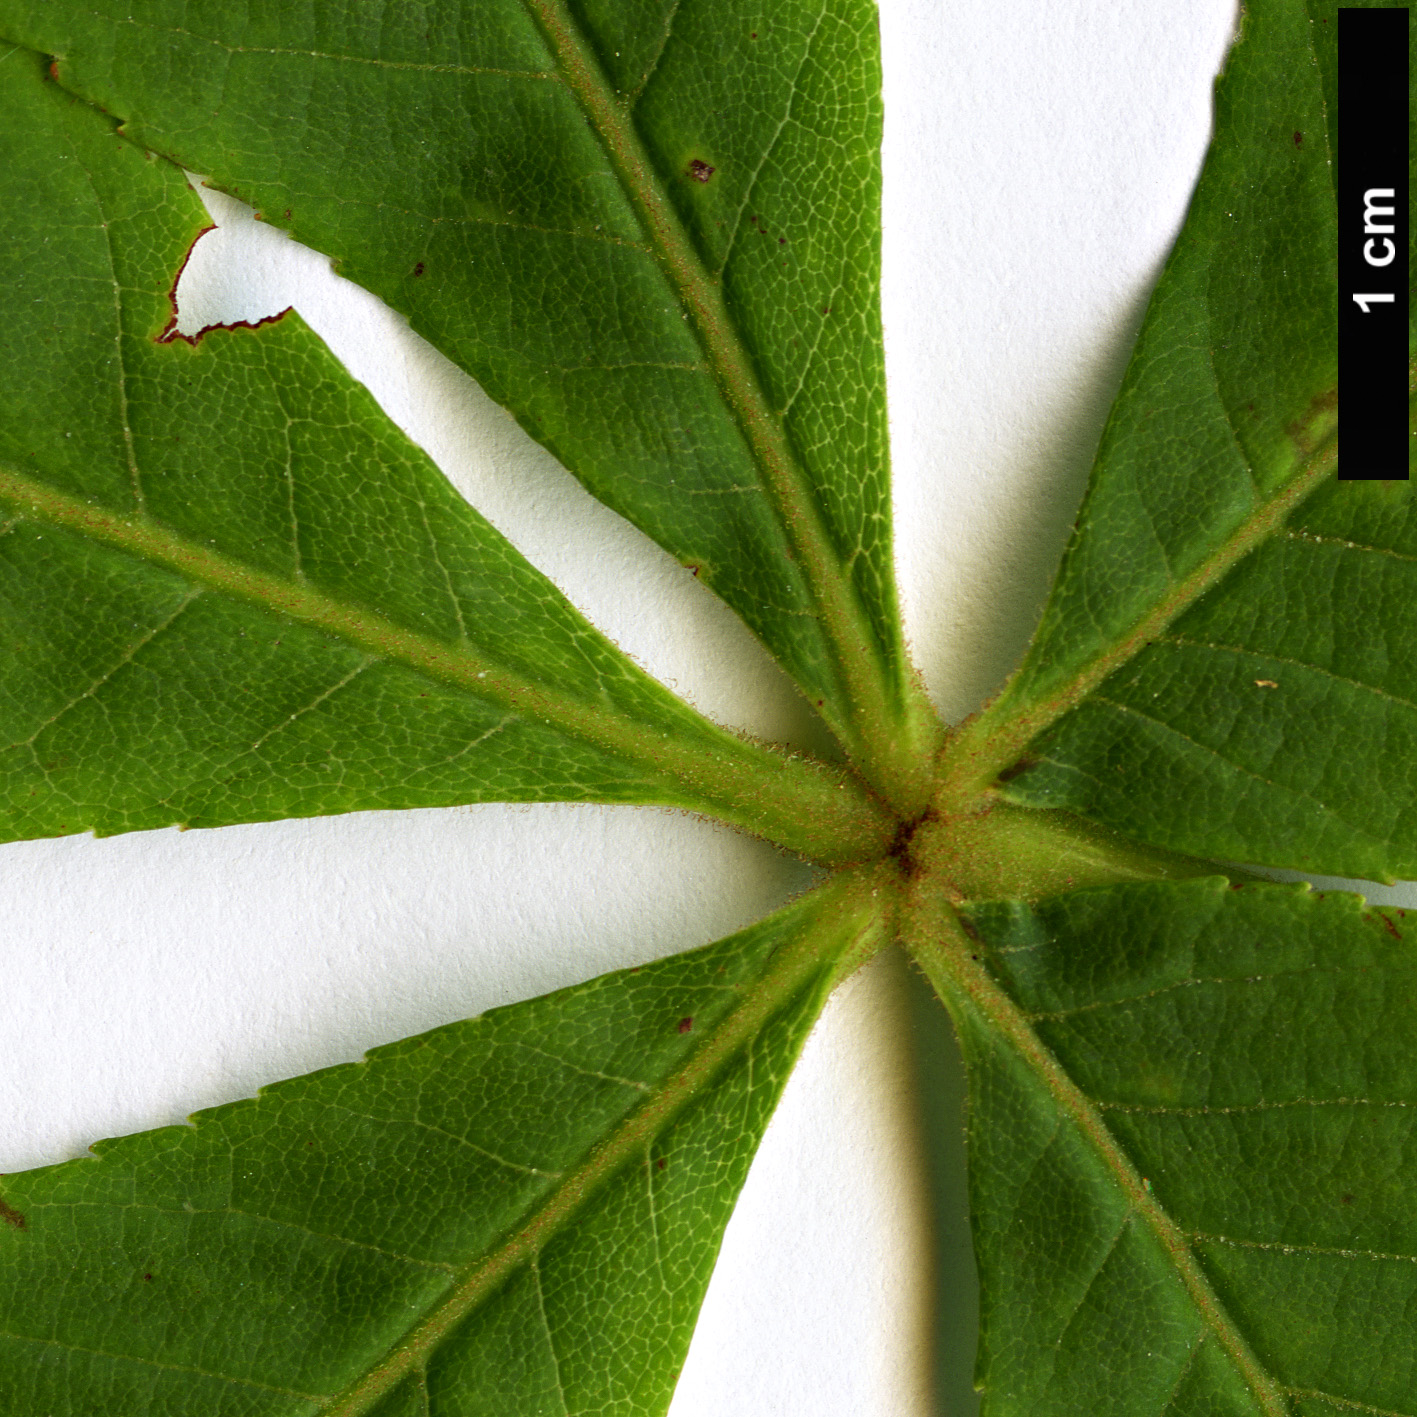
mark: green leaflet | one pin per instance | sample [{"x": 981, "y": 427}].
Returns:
[
  {"x": 1275, "y": 721},
  {"x": 1196, "y": 1194},
  {"x": 1226, "y": 417},
  {"x": 1210, "y": 676},
  {"x": 511, "y": 1215},
  {"x": 651, "y": 231},
  {"x": 232, "y": 591}
]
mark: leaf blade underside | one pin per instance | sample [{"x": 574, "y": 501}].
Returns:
[
  {"x": 512, "y": 1214},
  {"x": 590, "y": 235},
  {"x": 1276, "y": 721},
  {"x": 1210, "y": 676},
  {"x": 233, "y": 591},
  {"x": 1182, "y": 1094},
  {"x": 1221, "y": 1081}
]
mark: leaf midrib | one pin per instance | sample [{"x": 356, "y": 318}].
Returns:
[
  {"x": 851, "y": 925},
  {"x": 989, "y": 744},
  {"x": 869, "y": 720},
  {"x": 949, "y": 959},
  {"x": 797, "y": 802}
]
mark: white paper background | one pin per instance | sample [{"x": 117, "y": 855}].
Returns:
[{"x": 1038, "y": 160}]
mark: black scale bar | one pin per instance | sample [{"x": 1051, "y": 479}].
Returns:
[{"x": 1372, "y": 242}]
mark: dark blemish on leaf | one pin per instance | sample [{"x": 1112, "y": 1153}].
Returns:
[
  {"x": 753, "y": 35},
  {"x": 11, "y": 1216},
  {"x": 287, "y": 213},
  {"x": 1298, "y": 430},
  {"x": 1237, "y": 885},
  {"x": 1390, "y": 927},
  {"x": 1347, "y": 1195},
  {"x": 685, "y": 1024},
  {"x": 1298, "y": 140},
  {"x": 782, "y": 241},
  {"x": 418, "y": 269},
  {"x": 826, "y": 309},
  {"x": 147, "y": 1279},
  {"x": 699, "y": 170},
  {"x": 693, "y": 571},
  {"x": 54, "y": 70},
  {"x": 1017, "y": 770},
  {"x": 967, "y": 925},
  {"x": 659, "y": 1165}
]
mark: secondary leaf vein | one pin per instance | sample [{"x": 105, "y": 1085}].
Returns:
[{"x": 164, "y": 1367}]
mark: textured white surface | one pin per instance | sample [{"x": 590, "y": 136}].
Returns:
[{"x": 1038, "y": 161}]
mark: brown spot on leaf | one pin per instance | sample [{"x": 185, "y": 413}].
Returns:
[
  {"x": 418, "y": 269},
  {"x": 11, "y": 1216},
  {"x": 699, "y": 170},
  {"x": 1348, "y": 1198},
  {"x": 1302, "y": 430},
  {"x": 1018, "y": 769},
  {"x": 1298, "y": 139},
  {"x": 1390, "y": 927},
  {"x": 147, "y": 1279},
  {"x": 685, "y": 1024},
  {"x": 782, "y": 241},
  {"x": 659, "y": 1165}
]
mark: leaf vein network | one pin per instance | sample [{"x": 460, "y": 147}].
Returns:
[
  {"x": 474, "y": 69},
  {"x": 164, "y": 1367}
]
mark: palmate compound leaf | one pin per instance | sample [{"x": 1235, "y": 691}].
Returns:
[
  {"x": 1226, "y": 664},
  {"x": 650, "y": 228},
  {"x": 512, "y": 1215},
  {"x": 1192, "y": 1154},
  {"x": 1183, "y": 491},
  {"x": 232, "y": 591}
]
